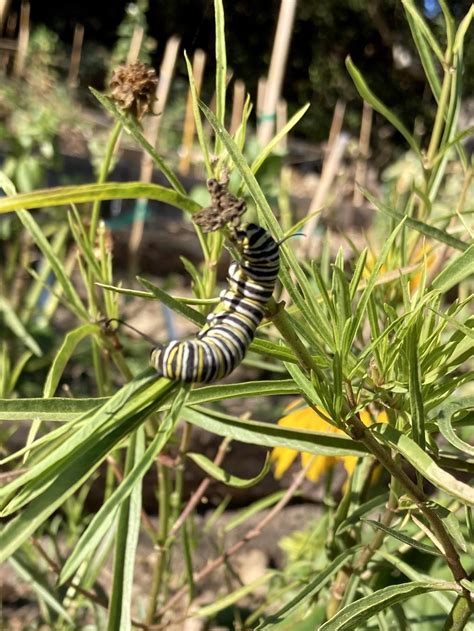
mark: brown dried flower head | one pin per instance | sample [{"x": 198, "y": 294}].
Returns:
[{"x": 133, "y": 88}]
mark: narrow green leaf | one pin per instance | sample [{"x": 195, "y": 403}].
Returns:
[
  {"x": 16, "y": 326},
  {"x": 62, "y": 480},
  {"x": 423, "y": 463},
  {"x": 413, "y": 543},
  {"x": 221, "y": 67},
  {"x": 256, "y": 507},
  {"x": 56, "y": 264},
  {"x": 416, "y": 224},
  {"x": 446, "y": 429},
  {"x": 104, "y": 517},
  {"x": 359, "y": 612},
  {"x": 226, "y": 478},
  {"x": 65, "y": 409},
  {"x": 426, "y": 56},
  {"x": 423, "y": 28},
  {"x": 367, "y": 94},
  {"x": 134, "y": 130},
  {"x": 358, "y": 271},
  {"x": 361, "y": 511},
  {"x": 417, "y": 409},
  {"x": 233, "y": 597},
  {"x": 310, "y": 590},
  {"x": 191, "y": 314},
  {"x": 445, "y": 601},
  {"x": 462, "y": 30},
  {"x": 197, "y": 117},
  {"x": 39, "y": 584},
  {"x": 60, "y": 409},
  {"x": 128, "y": 528},
  {"x": 63, "y": 355},
  {"x": 266, "y": 151},
  {"x": 270, "y": 435},
  {"x": 64, "y": 195},
  {"x": 371, "y": 281},
  {"x": 455, "y": 271},
  {"x": 112, "y": 417}
]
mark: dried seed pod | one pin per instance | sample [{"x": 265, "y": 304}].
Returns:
[{"x": 133, "y": 88}]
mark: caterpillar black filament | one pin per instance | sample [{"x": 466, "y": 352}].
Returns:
[{"x": 220, "y": 347}]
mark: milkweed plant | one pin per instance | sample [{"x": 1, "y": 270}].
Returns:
[{"x": 373, "y": 348}]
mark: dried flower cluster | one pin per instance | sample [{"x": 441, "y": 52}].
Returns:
[
  {"x": 225, "y": 207},
  {"x": 133, "y": 88}
]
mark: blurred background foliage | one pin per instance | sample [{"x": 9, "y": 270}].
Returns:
[{"x": 375, "y": 34}]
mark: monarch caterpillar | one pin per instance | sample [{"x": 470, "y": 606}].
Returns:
[{"x": 220, "y": 347}]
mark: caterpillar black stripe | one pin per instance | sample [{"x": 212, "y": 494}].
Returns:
[{"x": 220, "y": 347}]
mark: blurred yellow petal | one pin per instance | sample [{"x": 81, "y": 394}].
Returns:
[
  {"x": 283, "y": 459},
  {"x": 349, "y": 463},
  {"x": 308, "y": 419},
  {"x": 320, "y": 465}
]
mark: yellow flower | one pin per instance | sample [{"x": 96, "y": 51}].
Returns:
[
  {"x": 424, "y": 254},
  {"x": 308, "y": 419}
]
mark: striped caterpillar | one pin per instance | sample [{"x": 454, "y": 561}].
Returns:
[{"x": 221, "y": 346}]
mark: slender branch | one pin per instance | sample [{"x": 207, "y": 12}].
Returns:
[{"x": 199, "y": 492}]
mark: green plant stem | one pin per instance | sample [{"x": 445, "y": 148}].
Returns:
[
  {"x": 340, "y": 584},
  {"x": 459, "y": 615},
  {"x": 104, "y": 170},
  {"x": 440, "y": 112},
  {"x": 162, "y": 551},
  {"x": 282, "y": 322},
  {"x": 179, "y": 472}
]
